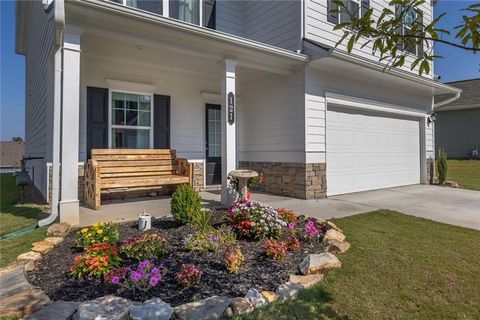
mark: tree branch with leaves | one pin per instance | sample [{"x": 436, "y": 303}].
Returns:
[{"x": 399, "y": 26}]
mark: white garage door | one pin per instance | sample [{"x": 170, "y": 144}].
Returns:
[{"x": 367, "y": 151}]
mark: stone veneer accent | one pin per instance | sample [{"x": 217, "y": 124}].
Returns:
[
  {"x": 198, "y": 175},
  {"x": 80, "y": 184},
  {"x": 298, "y": 180},
  {"x": 431, "y": 171}
]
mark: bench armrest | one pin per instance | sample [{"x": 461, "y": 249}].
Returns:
[{"x": 184, "y": 168}]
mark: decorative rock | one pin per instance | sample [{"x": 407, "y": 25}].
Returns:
[
  {"x": 153, "y": 309},
  {"x": 288, "y": 291},
  {"x": 58, "y": 230},
  {"x": 451, "y": 184},
  {"x": 53, "y": 240},
  {"x": 228, "y": 313},
  {"x": 58, "y": 310},
  {"x": 208, "y": 309},
  {"x": 42, "y": 247},
  {"x": 241, "y": 306},
  {"x": 29, "y": 266},
  {"x": 256, "y": 298},
  {"x": 29, "y": 257},
  {"x": 335, "y": 246},
  {"x": 270, "y": 296},
  {"x": 306, "y": 281},
  {"x": 104, "y": 308},
  {"x": 333, "y": 234},
  {"x": 23, "y": 303},
  {"x": 317, "y": 263},
  {"x": 334, "y": 226},
  {"x": 321, "y": 221}
]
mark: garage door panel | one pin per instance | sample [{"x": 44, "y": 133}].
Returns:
[{"x": 368, "y": 151}]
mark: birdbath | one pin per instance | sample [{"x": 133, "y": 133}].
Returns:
[{"x": 243, "y": 175}]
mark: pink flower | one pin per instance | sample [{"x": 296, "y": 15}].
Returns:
[
  {"x": 154, "y": 271},
  {"x": 136, "y": 276},
  {"x": 291, "y": 225},
  {"x": 154, "y": 280},
  {"x": 143, "y": 264},
  {"x": 115, "y": 279}
]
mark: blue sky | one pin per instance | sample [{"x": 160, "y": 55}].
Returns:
[{"x": 456, "y": 65}]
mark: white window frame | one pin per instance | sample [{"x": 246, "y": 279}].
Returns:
[
  {"x": 166, "y": 10},
  {"x": 404, "y": 27},
  {"x": 117, "y": 126}
]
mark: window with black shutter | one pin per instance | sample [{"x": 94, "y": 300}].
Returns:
[{"x": 209, "y": 13}]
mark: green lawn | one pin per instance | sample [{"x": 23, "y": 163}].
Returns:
[
  {"x": 465, "y": 172},
  {"x": 399, "y": 267},
  {"x": 13, "y": 217}
]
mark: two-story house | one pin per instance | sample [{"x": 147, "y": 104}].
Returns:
[{"x": 158, "y": 74}]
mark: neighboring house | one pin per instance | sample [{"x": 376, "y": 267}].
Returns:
[
  {"x": 160, "y": 74},
  {"x": 11, "y": 154},
  {"x": 457, "y": 124}
]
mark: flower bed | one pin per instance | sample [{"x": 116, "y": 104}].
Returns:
[{"x": 178, "y": 268}]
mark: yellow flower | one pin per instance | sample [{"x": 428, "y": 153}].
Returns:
[
  {"x": 99, "y": 231},
  {"x": 84, "y": 230},
  {"x": 105, "y": 238},
  {"x": 90, "y": 234},
  {"x": 95, "y": 225},
  {"x": 102, "y": 224}
]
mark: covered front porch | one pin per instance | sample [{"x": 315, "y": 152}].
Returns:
[{"x": 217, "y": 100}]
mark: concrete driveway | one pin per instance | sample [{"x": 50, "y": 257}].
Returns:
[{"x": 453, "y": 206}]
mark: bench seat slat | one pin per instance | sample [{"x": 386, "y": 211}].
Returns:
[
  {"x": 95, "y": 152},
  {"x": 136, "y": 157},
  {"x": 134, "y": 163},
  {"x": 142, "y": 181},
  {"x": 168, "y": 167},
  {"x": 137, "y": 174}
]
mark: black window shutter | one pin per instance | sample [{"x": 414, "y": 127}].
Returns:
[
  {"x": 398, "y": 12},
  {"x": 97, "y": 119},
  {"x": 209, "y": 13},
  {"x": 420, "y": 45},
  {"x": 161, "y": 122},
  {"x": 365, "y": 5},
  {"x": 332, "y": 16}
]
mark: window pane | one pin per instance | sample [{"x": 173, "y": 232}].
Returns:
[
  {"x": 130, "y": 138},
  {"x": 118, "y": 100},
  {"x": 131, "y": 101},
  {"x": 118, "y": 116},
  {"x": 145, "y": 102},
  {"x": 185, "y": 10},
  {"x": 351, "y": 8},
  {"x": 132, "y": 118},
  {"x": 155, "y": 6},
  {"x": 144, "y": 118}
]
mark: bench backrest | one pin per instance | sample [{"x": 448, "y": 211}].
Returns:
[{"x": 120, "y": 163}]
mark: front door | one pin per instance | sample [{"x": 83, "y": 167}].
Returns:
[{"x": 213, "y": 145}]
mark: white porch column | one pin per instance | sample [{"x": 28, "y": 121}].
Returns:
[
  {"x": 229, "y": 148},
  {"x": 69, "y": 204}
]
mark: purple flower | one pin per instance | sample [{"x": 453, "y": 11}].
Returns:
[
  {"x": 291, "y": 225},
  {"x": 154, "y": 280},
  {"x": 230, "y": 213},
  {"x": 143, "y": 264},
  {"x": 136, "y": 276},
  {"x": 154, "y": 271},
  {"x": 115, "y": 279}
]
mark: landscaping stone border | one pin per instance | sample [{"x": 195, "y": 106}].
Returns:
[{"x": 110, "y": 307}]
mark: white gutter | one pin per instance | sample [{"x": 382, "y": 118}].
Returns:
[
  {"x": 445, "y": 102},
  {"x": 59, "y": 16},
  {"x": 175, "y": 24}
]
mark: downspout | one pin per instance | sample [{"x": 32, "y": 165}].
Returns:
[
  {"x": 445, "y": 102},
  {"x": 59, "y": 16}
]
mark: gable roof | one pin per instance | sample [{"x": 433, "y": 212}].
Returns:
[
  {"x": 11, "y": 153},
  {"x": 470, "y": 97}
]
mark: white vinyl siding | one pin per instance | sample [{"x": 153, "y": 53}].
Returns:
[
  {"x": 39, "y": 93},
  {"x": 318, "y": 29}
]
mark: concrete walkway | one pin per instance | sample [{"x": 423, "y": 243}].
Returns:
[{"x": 453, "y": 206}]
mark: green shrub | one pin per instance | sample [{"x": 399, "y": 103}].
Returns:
[
  {"x": 145, "y": 246},
  {"x": 442, "y": 166},
  {"x": 185, "y": 203}
]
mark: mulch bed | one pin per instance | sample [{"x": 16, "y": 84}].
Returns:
[{"x": 257, "y": 271}]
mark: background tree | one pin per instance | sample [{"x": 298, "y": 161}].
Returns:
[
  {"x": 18, "y": 139},
  {"x": 400, "y": 26}
]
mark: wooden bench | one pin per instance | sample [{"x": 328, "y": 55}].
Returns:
[{"x": 132, "y": 169}]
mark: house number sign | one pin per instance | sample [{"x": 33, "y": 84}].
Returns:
[{"x": 231, "y": 108}]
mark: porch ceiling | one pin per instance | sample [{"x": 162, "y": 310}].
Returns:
[{"x": 182, "y": 43}]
